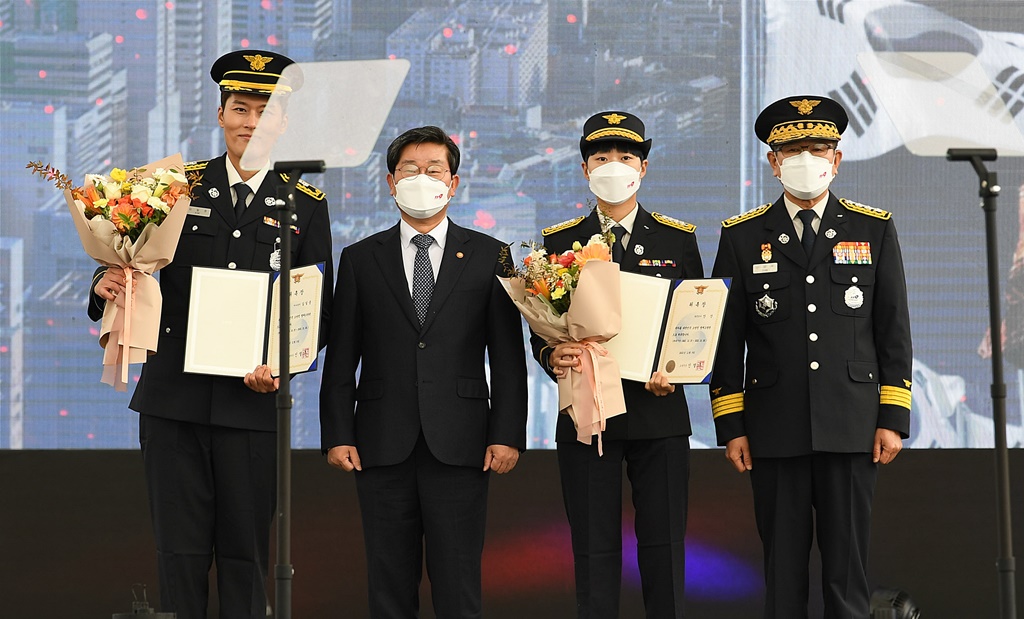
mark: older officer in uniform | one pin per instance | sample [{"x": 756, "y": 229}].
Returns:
[
  {"x": 208, "y": 442},
  {"x": 653, "y": 436},
  {"x": 822, "y": 395}
]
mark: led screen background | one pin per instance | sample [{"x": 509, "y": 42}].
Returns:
[{"x": 87, "y": 86}]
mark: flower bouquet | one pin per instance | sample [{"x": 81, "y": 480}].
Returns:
[
  {"x": 574, "y": 297},
  {"x": 129, "y": 220}
]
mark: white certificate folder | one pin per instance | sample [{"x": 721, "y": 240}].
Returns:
[
  {"x": 671, "y": 326},
  {"x": 233, "y": 323}
]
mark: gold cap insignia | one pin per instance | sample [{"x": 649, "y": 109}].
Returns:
[
  {"x": 804, "y": 106},
  {"x": 258, "y": 62},
  {"x": 614, "y": 119}
]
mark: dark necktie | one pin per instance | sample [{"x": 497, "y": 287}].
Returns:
[
  {"x": 242, "y": 192},
  {"x": 618, "y": 248},
  {"x": 422, "y": 275},
  {"x": 807, "y": 238}
]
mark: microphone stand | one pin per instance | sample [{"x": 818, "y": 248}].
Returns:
[
  {"x": 989, "y": 190},
  {"x": 283, "y": 569}
]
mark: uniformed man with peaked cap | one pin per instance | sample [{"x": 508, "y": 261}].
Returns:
[
  {"x": 209, "y": 442},
  {"x": 652, "y": 437},
  {"x": 811, "y": 385}
]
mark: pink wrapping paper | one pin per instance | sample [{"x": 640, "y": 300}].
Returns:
[
  {"x": 130, "y": 329},
  {"x": 593, "y": 393}
]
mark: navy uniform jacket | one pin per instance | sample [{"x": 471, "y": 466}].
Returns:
[
  {"x": 211, "y": 237},
  {"x": 659, "y": 246},
  {"x": 828, "y": 351},
  {"x": 428, "y": 378}
]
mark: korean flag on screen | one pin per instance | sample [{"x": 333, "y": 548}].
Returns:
[{"x": 907, "y": 74}]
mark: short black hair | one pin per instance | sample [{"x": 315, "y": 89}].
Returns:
[
  {"x": 424, "y": 135},
  {"x": 620, "y": 145}
]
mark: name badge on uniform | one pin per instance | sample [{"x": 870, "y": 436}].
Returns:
[
  {"x": 771, "y": 267},
  {"x": 199, "y": 211},
  {"x": 852, "y": 252}
]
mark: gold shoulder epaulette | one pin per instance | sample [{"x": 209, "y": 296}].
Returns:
[
  {"x": 672, "y": 222},
  {"x": 310, "y": 190},
  {"x": 864, "y": 209},
  {"x": 562, "y": 226},
  {"x": 194, "y": 172},
  {"x": 306, "y": 188},
  {"x": 752, "y": 213}
]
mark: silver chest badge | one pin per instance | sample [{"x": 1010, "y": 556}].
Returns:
[
  {"x": 269, "y": 201},
  {"x": 830, "y": 233},
  {"x": 638, "y": 249},
  {"x": 275, "y": 256},
  {"x": 854, "y": 297},
  {"x": 214, "y": 192},
  {"x": 783, "y": 238},
  {"x": 765, "y": 306}
]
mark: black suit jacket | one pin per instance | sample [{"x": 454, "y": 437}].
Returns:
[
  {"x": 647, "y": 416},
  {"x": 815, "y": 354},
  {"x": 211, "y": 237},
  {"x": 430, "y": 378}
]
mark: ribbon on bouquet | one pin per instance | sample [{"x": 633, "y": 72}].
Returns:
[
  {"x": 122, "y": 341},
  {"x": 594, "y": 393}
]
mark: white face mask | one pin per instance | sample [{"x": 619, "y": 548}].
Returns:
[
  {"x": 614, "y": 182},
  {"x": 806, "y": 176},
  {"x": 421, "y": 196}
]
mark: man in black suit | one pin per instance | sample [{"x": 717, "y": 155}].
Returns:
[
  {"x": 653, "y": 436},
  {"x": 209, "y": 442},
  {"x": 420, "y": 427},
  {"x": 821, "y": 395}
]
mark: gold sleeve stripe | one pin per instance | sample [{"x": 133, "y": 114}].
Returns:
[
  {"x": 727, "y": 404},
  {"x": 896, "y": 396}
]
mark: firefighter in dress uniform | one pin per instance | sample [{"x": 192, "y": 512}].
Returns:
[{"x": 811, "y": 385}]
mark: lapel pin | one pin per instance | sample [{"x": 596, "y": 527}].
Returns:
[
  {"x": 269, "y": 201},
  {"x": 830, "y": 233},
  {"x": 459, "y": 254},
  {"x": 638, "y": 249},
  {"x": 783, "y": 238},
  {"x": 214, "y": 192}
]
